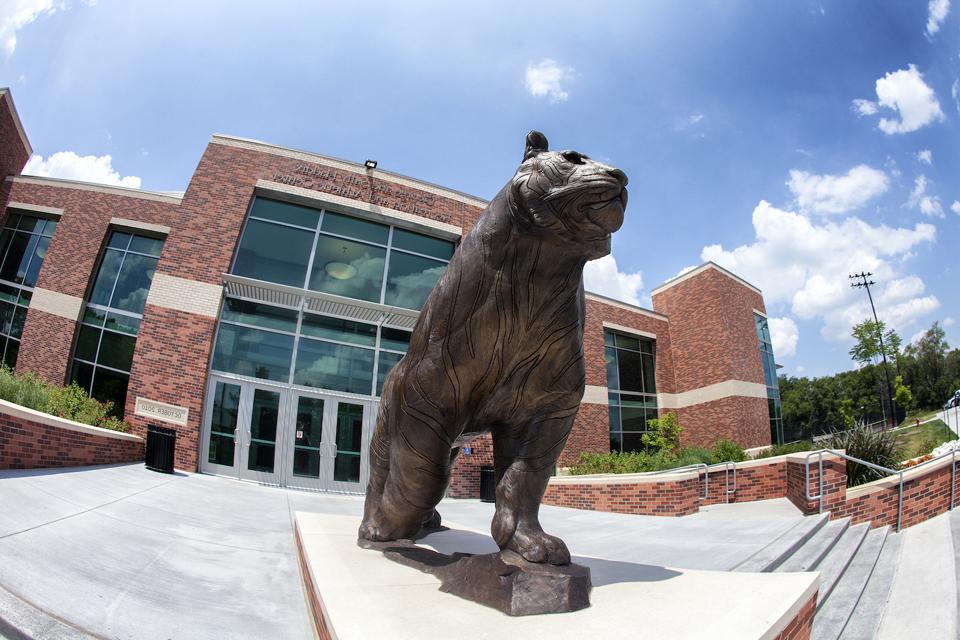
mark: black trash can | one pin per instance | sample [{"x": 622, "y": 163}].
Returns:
[
  {"x": 161, "y": 444},
  {"x": 488, "y": 485}
]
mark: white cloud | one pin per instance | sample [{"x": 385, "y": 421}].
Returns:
[
  {"x": 948, "y": 322},
  {"x": 800, "y": 369},
  {"x": 69, "y": 165},
  {"x": 17, "y": 14},
  {"x": 864, "y": 107},
  {"x": 936, "y": 13},
  {"x": 955, "y": 92},
  {"x": 925, "y": 156},
  {"x": 785, "y": 334},
  {"x": 828, "y": 194},
  {"x": 695, "y": 118},
  {"x": 602, "y": 276},
  {"x": 955, "y": 207},
  {"x": 919, "y": 199},
  {"x": 804, "y": 265},
  {"x": 545, "y": 78},
  {"x": 906, "y": 93}
]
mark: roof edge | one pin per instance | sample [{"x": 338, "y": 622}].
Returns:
[
  {"x": 706, "y": 266},
  {"x": 625, "y": 305},
  {"x": 5, "y": 92},
  {"x": 356, "y": 167},
  {"x": 129, "y": 192}
]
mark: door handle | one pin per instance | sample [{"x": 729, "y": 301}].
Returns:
[
  {"x": 333, "y": 449},
  {"x": 234, "y": 436}
]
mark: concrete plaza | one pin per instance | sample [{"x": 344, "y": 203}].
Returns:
[{"x": 122, "y": 552}]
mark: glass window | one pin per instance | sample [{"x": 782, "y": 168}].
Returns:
[
  {"x": 395, "y": 339},
  {"x": 355, "y": 228},
  {"x": 107, "y": 337},
  {"x": 419, "y": 243},
  {"x": 24, "y": 241},
  {"x": 631, "y": 380},
  {"x": 411, "y": 279},
  {"x": 347, "y": 268},
  {"x": 349, "y": 256},
  {"x": 223, "y": 423},
  {"x": 334, "y": 366},
  {"x": 285, "y": 212},
  {"x": 339, "y": 329},
  {"x": 770, "y": 378},
  {"x": 259, "y": 315},
  {"x": 274, "y": 253},
  {"x": 253, "y": 352},
  {"x": 384, "y": 366}
]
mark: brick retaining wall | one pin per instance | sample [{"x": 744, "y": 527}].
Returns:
[
  {"x": 32, "y": 440},
  {"x": 927, "y": 490}
]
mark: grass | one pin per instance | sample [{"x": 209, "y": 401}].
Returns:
[
  {"x": 922, "y": 414},
  {"x": 918, "y": 441}
]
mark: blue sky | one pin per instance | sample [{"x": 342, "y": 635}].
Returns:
[{"x": 792, "y": 142}]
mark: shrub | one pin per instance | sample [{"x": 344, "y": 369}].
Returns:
[
  {"x": 727, "y": 451},
  {"x": 694, "y": 455},
  {"x": 791, "y": 447},
  {"x": 71, "y": 402},
  {"x": 664, "y": 433},
  {"x": 876, "y": 447}
]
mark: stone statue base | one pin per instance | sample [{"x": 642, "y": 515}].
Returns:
[{"x": 504, "y": 580}]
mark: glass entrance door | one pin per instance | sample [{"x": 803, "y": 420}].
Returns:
[
  {"x": 329, "y": 443},
  {"x": 241, "y": 434},
  {"x": 276, "y": 435}
]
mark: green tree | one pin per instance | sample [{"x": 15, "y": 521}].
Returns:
[
  {"x": 664, "y": 433},
  {"x": 902, "y": 394},
  {"x": 867, "y": 348},
  {"x": 930, "y": 373}
]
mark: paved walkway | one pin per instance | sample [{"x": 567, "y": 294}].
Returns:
[{"x": 122, "y": 552}]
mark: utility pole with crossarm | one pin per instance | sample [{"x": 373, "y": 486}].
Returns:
[{"x": 862, "y": 282}]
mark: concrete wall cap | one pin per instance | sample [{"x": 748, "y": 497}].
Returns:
[
  {"x": 18, "y": 411},
  {"x": 596, "y": 297},
  {"x": 893, "y": 482},
  {"x": 127, "y": 192},
  {"x": 801, "y": 457},
  {"x": 695, "y": 272},
  {"x": 626, "y": 478}
]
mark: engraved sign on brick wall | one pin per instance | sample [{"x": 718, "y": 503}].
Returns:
[{"x": 162, "y": 411}]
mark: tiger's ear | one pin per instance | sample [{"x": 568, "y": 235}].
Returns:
[{"x": 536, "y": 143}]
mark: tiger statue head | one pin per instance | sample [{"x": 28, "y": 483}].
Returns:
[{"x": 568, "y": 195}]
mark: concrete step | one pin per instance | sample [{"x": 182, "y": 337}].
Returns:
[
  {"x": 923, "y": 596},
  {"x": 774, "y": 554},
  {"x": 836, "y": 562},
  {"x": 865, "y": 621},
  {"x": 832, "y": 617},
  {"x": 808, "y": 557}
]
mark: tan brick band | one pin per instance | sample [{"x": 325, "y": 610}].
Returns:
[
  {"x": 56, "y": 303},
  {"x": 189, "y": 296},
  {"x": 711, "y": 393}
]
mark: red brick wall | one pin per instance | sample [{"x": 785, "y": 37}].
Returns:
[
  {"x": 924, "y": 497},
  {"x": 747, "y": 484},
  {"x": 465, "y": 476},
  {"x": 172, "y": 368},
  {"x": 834, "y": 489},
  {"x": 25, "y": 444},
  {"x": 712, "y": 330},
  {"x": 667, "y": 498},
  {"x": 13, "y": 154},
  {"x": 740, "y": 419},
  {"x": 801, "y": 626},
  {"x": 71, "y": 261}
]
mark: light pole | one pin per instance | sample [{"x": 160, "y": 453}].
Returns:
[{"x": 862, "y": 282}]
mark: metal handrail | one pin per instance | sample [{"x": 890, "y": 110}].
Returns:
[
  {"x": 727, "y": 466},
  {"x": 890, "y": 472}
]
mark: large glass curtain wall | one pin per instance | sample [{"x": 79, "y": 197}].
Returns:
[
  {"x": 306, "y": 349},
  {"x": 632, "y": 388},
  {"x": 111, "y": 320},
  {"x": 333, "y": 253},
  {"x": 23, "y": 246},
  {"x": 770, "y": 379}
]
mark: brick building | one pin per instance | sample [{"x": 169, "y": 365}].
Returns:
[{"x": 258, "y": 313}]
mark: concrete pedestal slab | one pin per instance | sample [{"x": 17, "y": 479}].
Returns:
[{"x": 358, "y": 593}]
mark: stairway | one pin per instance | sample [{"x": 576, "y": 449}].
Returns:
[{"x": 857, "y": 566}]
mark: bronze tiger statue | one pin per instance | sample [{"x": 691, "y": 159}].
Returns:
[{"x": 498, "y": 349}]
